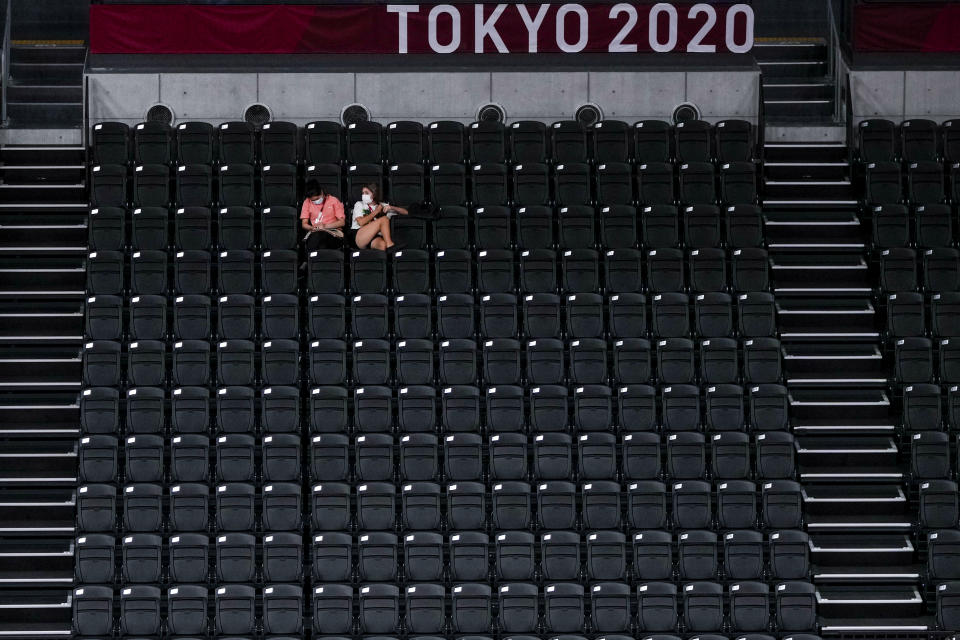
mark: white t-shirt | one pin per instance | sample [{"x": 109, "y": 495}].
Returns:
[{"x": 360, "y": 209}]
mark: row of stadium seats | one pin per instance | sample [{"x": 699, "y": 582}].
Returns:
[
  {"x": 235, "y": 271},
  {"x": 923, "y": 183},
  {"x": 462, "y": 408},
  {"x": 473, "y": 608},
  {"x": 932, "y": 226},
  {"x": 916, "y": 140},
  {"x": 916, "y": 360},
  {"x": 500, "y": 315},
  {"x": 930, "y": 455},
  {"x": 405, "y": 141},
  {"x": 535, "y": 227},
  {"x": 900, "y": 268},
  {"x": 381, "y": 457},
  {"x": 927, "y": 407},
  {"x": 449, "y": 184},
  {"x": 426, "y": 506},
  {"x": 909, "y": 314},
  {"x": 458, "y": 361},
  {"x": 463, "y": 556}
]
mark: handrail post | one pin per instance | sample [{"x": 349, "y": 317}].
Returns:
[{"x": 6, "y": 64}]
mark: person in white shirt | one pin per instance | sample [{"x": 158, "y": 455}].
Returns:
[{"x": 371, "y": 220}]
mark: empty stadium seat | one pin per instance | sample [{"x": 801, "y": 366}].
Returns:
[{"x": 876, "y": 140}]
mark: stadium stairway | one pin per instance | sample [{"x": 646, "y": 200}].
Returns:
[
  {"x": 42, "y": 247},
  {"x": 796, "y": 80},
  {"x": 46, "y": 85},
  {"x": 857, "y": 505}
]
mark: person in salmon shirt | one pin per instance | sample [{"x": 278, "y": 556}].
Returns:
[{"x": 322, "y": 217}]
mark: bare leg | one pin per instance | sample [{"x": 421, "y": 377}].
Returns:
[
  {"x": 378, "y": 244},
  {"x": 366, "y": 234},
  {"x": 385, "y": 232}
]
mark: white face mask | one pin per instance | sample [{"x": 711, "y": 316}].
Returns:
[
  {"x": 317, "y": 201},
  {"x": 367, "y": 198}
]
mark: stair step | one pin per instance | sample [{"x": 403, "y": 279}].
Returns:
[
  {"x": 827, "y": 319},
  {"x": 53, "y": 115},
  {"x": 897, "y": 627},
  {"x": 834, "y": 364},
  {"x": 43, "y": 174},
  {"x": 43, "y": 237},
  {"x": 870, "y": 600},
  {"x": 45, "y": 93},
  {"x": 833, "y": 274},
  {"x": 909, "y": 574},
  {"x": 808, "y": 190},
  {"x": 36, "y": 613},
  {"x": 854, "y": 495},
  {"x": 848, "y": 446},
  {"x": 826, "y": 410},
  {"x": 28, "y": 462},
  {"x": 37, "y": 511},
  {"x": 806, "y": 170},
  {"x": 43, "y": 277},
  {"x": 816, "y": 49},
  {"x": 39, "y": 415},
  {"x": 40, "y": 367},
  {"x": 42, "y": 324},
  {"x": 798, "y": 110},
  {"x": 834, "y": 548},
  {"x": 51, "y": 54},
  {"x": 848, "y": 522},
  {"x": 41, "y": 155},
  {"x": 47, "y": 72},
  {"x": 805, "y": 151},
  {"x": 794, "y": 203},
  {"x": 45, "y": 192},
  {"x": 772, "y": 69},
  {"x": 854, "y": 507},
  {"x": 32, "y": 562},
  {"x": 803, "y": 230},
  {"x": 785, "y": 90}
]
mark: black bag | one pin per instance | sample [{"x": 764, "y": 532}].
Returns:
[{"x": 422, "y": 210}]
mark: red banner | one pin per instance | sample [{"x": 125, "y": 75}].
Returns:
[
  {"x": 428, "y": 29},
  {"x": 929, "y": 27}
]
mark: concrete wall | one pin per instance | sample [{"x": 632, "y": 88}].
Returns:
[
  {"x": 902, "y": 94},
  {"x": 301, "y": 97}
]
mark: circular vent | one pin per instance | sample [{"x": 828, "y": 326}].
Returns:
[
  {"x": 491, "y": 113},
  {"x": 257, "y": 115},
  {"x": 588, "y": 114},
  {"x": 686, "y": 112},
  {"x": 354, "y": 114},
  {"x": 160, "y": 113}
]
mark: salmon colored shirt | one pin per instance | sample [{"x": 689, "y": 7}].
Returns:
[{"x": 329, "y": 211}]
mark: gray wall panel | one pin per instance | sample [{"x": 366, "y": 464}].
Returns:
[
  {"x": 208, "y": 96},
  {"x": 722, "y": 95},
  {"x": 547, "y": 95},
  {"x": 395, "y": 96},
  {"x": 876, "y": 93},
  {"x": 627, "y": 95},
  {"x": 122, "y": 96},
  {"x": 305, "y": 96},
  {"x": 903, "y": 94},
  {"x": 932, "y": 94},
  {"x": 454, "y": 95}
]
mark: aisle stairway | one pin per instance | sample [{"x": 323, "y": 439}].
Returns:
[
  {"x": 797, "y": 82},
  {"x": 858, "y": 513},
  {"x": 46, "y": 85},
  {"x": 42, "y": 247}
]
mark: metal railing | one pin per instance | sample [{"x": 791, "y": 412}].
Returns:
[
  {"x": 842, "y": 98},
  {"x": 5, "y": 79},
  {"x": 834, "y": 59}
]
